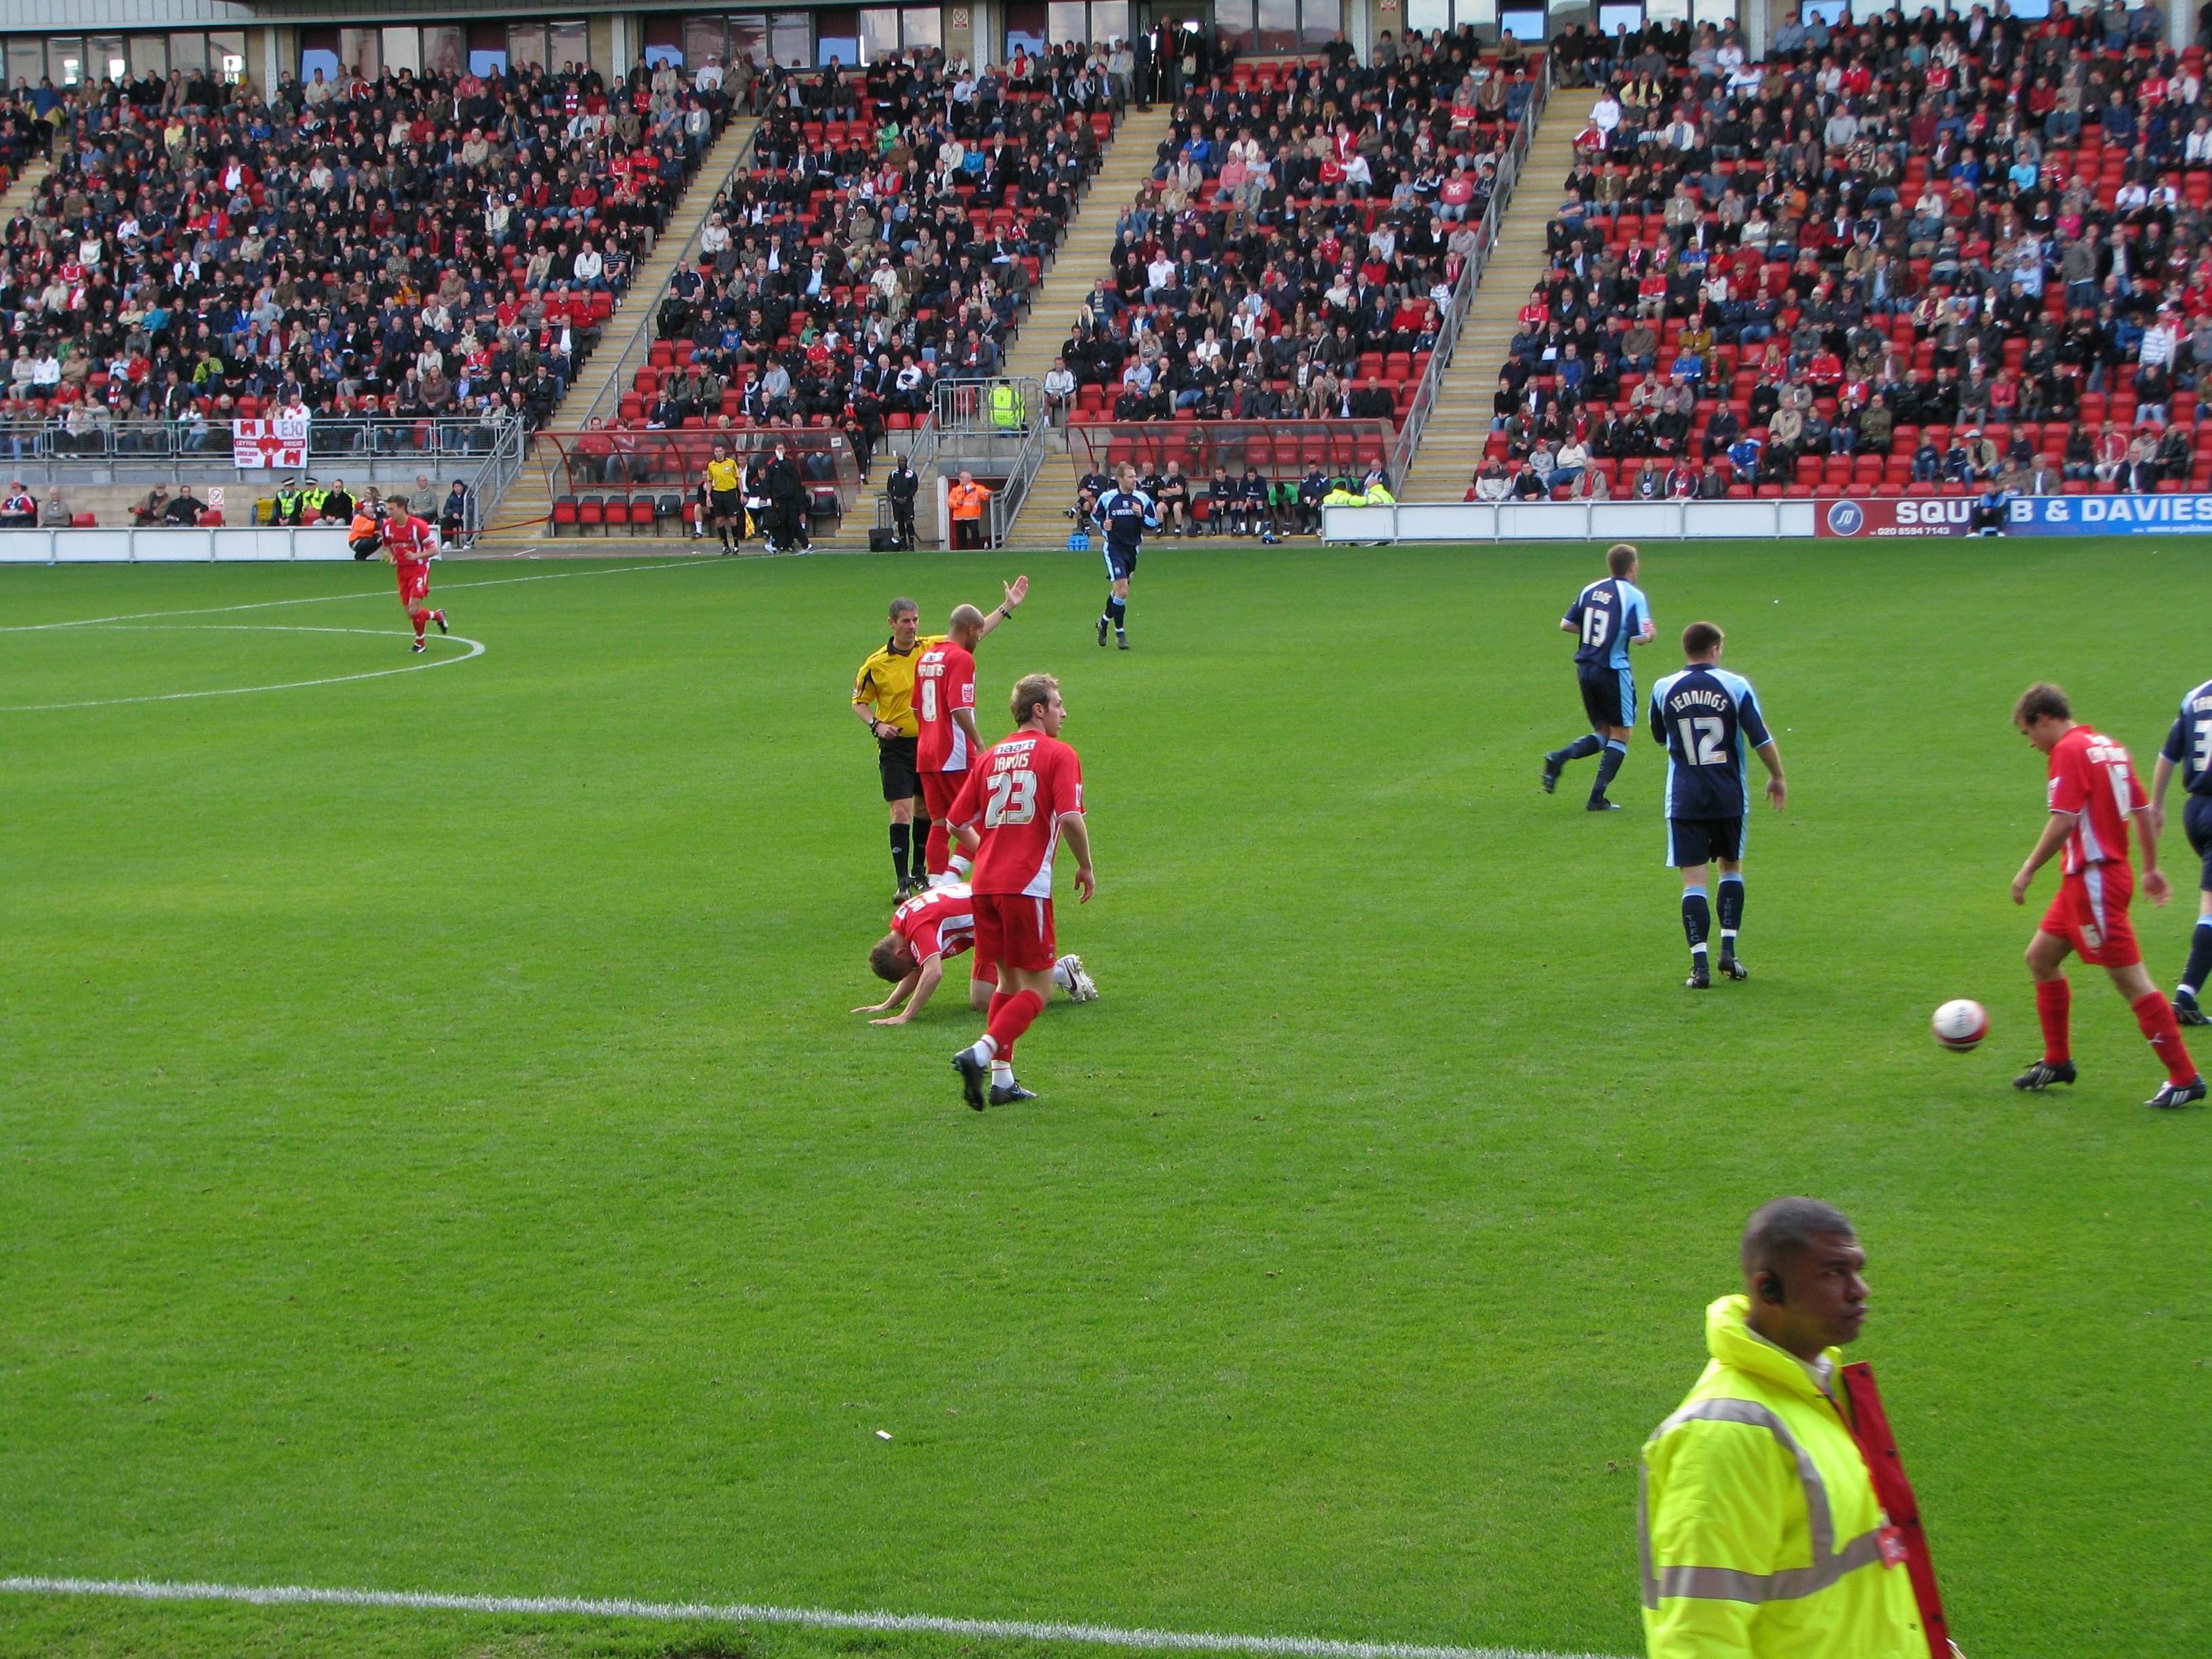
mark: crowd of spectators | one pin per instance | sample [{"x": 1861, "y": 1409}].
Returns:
[
  {"x": 1294, "y": 254},
  {"x": 415, "y": 247},
  {"x": 1961, "y": 254},
  {"x": 891, "y": 234}
]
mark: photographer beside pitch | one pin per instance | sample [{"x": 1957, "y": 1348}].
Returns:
[{"x": 1776, "y": 1516}]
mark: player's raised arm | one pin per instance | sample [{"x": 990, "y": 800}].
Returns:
[{"x": 1017, "y": 590}]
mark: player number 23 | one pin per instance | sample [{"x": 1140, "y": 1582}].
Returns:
[
  {"x": 1701, "y": 740},
  {"x": 1013, "y": 798}
]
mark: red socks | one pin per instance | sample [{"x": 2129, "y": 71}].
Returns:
[
  {"x": 2163, "y": 1032},
  {"x": 999, "y": 1001},
  {"x": 418, "y": 617},
  {"x": 2054, "y": 999},
  {"x": 937, "y": 851},
  {"x": 1010, "y": 1017}
]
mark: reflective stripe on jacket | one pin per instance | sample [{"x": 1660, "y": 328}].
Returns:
[{"x": 1761, "y": 1533}]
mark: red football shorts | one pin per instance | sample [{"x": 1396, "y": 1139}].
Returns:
[
  {"x": 2090, "y": 914},
  {"x": 938, "y": 791},
  {"x": 1014, "y": 931},
  {"x": 414, "y": 581}
]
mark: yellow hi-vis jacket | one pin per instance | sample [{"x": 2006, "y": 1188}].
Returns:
[
  {"x": 1761, "y": 1531},
  {"x": 1006, "y": 408}
]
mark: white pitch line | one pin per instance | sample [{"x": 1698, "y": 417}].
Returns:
[
  {"x": 673, "y": 563},
  {"x": 1290, "y": 1647},
  {"x": 475, "y": 649}
]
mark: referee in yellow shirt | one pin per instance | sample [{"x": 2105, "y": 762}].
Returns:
[
  {"x": 723, "y": 494},
  {"x": 883, "y": 698}
]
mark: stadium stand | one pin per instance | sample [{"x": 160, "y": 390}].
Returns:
[
  {"x": 416, "y": 250},
  {"x": 1943, "y": 256},
  {"x": 889, "y": 230},
  {"x": 1294, "y": 257}
]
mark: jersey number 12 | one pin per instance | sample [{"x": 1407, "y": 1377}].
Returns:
[{"x": 1701, "y": 740}]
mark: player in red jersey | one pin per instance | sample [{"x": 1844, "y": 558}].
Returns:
[
  {"x": 2093, "y": 795},
  {"x": 1025, "y": 793},
  {"x": 926, "y": 930},
  {"x": 944, "y": 705},
  {"x": 409, "y": 543}
]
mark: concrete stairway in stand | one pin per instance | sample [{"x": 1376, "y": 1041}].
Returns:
[
  {"x": 1129, "y": 156},
  {"x": 16, "y": 200},
  {"x": 1083, "y": 260},
  {"x": 520, "y": 519},
  {"x": 1452, "y": 445}
]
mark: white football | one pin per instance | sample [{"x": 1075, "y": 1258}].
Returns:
[{"x": 1960, "y": 1025}]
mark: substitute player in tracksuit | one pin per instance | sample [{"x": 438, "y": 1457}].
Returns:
[
  {"x": 1124, "y": 512},
  {"x": 1766, "y": 1531}
]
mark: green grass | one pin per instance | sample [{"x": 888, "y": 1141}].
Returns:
[{"x": 436, "y": 1154}]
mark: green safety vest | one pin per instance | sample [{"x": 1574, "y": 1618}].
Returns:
[
  {"x": 286, "y": 503},
  {"x": 1006, "y": 407},
  {"x": 1343, "y": 498},
  {"x": 1762, "y": 1530},
  {"x": 314, "y": 498},
  {"x": 1378, "y": 497}
]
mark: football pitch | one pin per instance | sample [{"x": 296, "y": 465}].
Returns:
[{"x": 438, "y": 1156}]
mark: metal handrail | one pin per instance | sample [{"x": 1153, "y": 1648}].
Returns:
[
  {"x": 329, "y": 438},
  {"x": 1493, "y": 220},
  {"x": 637, "y": 350}
]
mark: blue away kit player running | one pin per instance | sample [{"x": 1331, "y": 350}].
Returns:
[
  {"x": 1125, "y": 512},
  {"x": 2189, "y": 747},
  {"x": 1606, "y": 618},
  {"x": 1707, "y": 718}
]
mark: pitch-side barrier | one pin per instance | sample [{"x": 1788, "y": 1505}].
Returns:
[
  {"x": 170, "y": 546},
  {"x": 1567, "y": 521}
]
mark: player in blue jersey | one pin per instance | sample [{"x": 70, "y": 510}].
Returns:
[
  {"x": 1705, "y": 718},
  {"x": 1125, "y": 512},
  {"x": 1606, "y": 618},
  {"x": 2189, "y": 747}
]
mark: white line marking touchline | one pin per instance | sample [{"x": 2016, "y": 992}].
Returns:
[
  {"x": 475, "y": 649},
  {"x": 1293, "y": 1647},
  {"x": 676, "y": 563}
]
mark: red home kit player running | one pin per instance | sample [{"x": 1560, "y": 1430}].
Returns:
[
  {"x": 2093, "y": 796},
  {"x": 409, "y": 543},
  {"x": 944, "y": 705},
  {"x": 1025, "y": 793}
]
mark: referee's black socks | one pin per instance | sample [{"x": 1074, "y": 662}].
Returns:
[
  {"x": 899, "y": 836},
  {"x": 1696, "y": 920},
  {"x": 1609, "y": 765}
]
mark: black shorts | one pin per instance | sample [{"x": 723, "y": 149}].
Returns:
[
  {"x": 1608, "y": 695},
  {"x": 2197, "y": 822},
  {"x": 895, "y": 760},
  {"x": 1120, "y": 561},
  {"x": 727, "y": 503},
  {"x": 1700, "y": 841}
]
